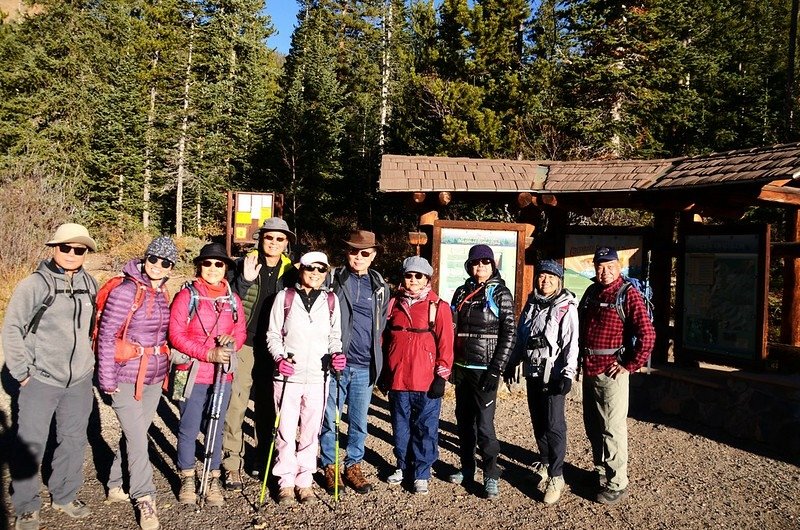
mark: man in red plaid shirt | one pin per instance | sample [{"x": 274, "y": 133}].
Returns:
[{"x": 607, "y": 364}]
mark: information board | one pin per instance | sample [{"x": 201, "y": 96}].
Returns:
[
  {"x": 452, "y": 241},
  {"x": 723, "y": 294},
  {"x": 579, "y": 247},
  {"x": 250, "y": 210}
]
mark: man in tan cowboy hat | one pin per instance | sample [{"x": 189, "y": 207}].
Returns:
[
  {"x": 258, "y": 276},
  {"x": 47, "y": 342},
  {"x": 364, "y": 299}
]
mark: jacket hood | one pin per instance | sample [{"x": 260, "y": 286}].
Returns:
[{"x": 135, "y": 270}]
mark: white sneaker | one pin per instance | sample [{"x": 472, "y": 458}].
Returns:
[
  {"x": 540, "y": 471},
  {"x": 553, "y": 491},
  {"x": 421, "y": 486},
  {"x": 396, "y": 477},
  {"x": 117, "y": 494}
]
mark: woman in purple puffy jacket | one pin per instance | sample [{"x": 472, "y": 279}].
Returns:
[{"x": 136, "y": 324}]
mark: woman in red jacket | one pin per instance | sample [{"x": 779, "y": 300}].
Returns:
[
  {"x": 205, "y": 324},
  {"x": 418, "y": 342}
]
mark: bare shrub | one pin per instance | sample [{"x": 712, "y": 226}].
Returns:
[{"x": 31, "y": 207}]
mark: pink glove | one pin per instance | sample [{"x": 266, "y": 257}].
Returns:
[
  {"x": 338, "y": 361},
  {"x": 443, "y": 372},
  {"x": 285, "y": 367}
]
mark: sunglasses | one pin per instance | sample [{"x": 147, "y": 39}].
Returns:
[
  {"x": 165, "y": 263},
  {"x": 279, "y": 239},
  {"x": 417, "y": 275},
  {"x": 79, "y": 251},
  {"x": 482, "y": 261},
  {"x": 315, "y": 268},
  {"x": 356, "y": 252},
  {"x": 213, "y": 263}
]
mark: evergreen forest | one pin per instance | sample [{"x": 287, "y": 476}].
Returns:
[{"x": 145, "y": 112}]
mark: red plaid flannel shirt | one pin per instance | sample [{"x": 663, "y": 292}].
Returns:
[{"x": 602, "y": 329}]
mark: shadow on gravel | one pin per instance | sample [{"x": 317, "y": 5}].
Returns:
[{"x": 102, "y": 454}]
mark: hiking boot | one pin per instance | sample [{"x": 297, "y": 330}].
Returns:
[
  {"x": 459, "y": 476},
  {"x": 75, "y": 509},
  {"x": 214, "y": 496},
  {"x": 608, "y": 496},
  {"x": 395, "y": 478},
  {"x": 117, "y": 494},
  {"x": 330, "y": 473},
  {"x": 555, "y": 486},
  {"x": 421, "y": 486},
  {"x": 286, "y": 496},
  {"x": 187, "y": 493},
  {"x": 491, "y": 488},
  {"x": 540, "y": 471},
  {"x": 233, "y": 480},
  {"x": 27, "y": 521},
  {"x": 148, "y": 518},
  {"x": 355, "y": 478},
  {"x": 305, "y": 495}
]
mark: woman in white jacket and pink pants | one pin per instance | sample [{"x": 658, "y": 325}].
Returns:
[{"x": 304, "y": 322}]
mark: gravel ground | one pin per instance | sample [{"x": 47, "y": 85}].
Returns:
[{"x": 678, "y": 480}]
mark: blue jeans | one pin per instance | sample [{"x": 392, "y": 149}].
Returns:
[
  {"x": 415, "y": 424},
  {"x": 194, "y": 417},
  {"x": 356, "y": 392}
]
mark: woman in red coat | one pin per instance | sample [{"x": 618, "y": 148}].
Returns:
[
  {"x": 418, "y": 343},
  {"x": 206, "y": 323}
]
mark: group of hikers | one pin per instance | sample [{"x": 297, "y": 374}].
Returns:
[{"x": 305, "y": 341}]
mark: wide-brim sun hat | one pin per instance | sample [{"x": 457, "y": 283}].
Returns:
[
  {"x": 72, "y": 233},
  {"x": 214, "y": 251},
  {"x": 362, "y": 239},
  {"x": 275, "y": 224}
]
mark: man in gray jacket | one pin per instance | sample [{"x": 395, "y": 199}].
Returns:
[{"x": 47, "y": 344}]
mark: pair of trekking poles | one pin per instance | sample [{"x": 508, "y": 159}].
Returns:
[
  {"x": 338, "y": 376},
  {"x": 213, "y": 426}
]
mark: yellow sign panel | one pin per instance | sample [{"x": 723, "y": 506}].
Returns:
[{"x": 240, "y": 232}]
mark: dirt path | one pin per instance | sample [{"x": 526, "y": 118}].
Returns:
[{"x": 678, "y": 480}]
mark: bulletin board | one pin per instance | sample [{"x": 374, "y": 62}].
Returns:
[
  {"x": 452, "y": 241},
  {"x": 248, "y": 211},
  {"x": 581, "y": 242},
  {"x": 722, "y": 294}
]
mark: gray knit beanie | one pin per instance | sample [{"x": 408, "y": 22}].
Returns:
[{"x": 163, "y": 247}]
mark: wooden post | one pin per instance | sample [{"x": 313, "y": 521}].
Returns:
[
  {"x": 661, "y": 280},
  {"x": 687, "y": 218},
  {"x": 229, "y": 224},
  {"x": 790, "y": 308}
]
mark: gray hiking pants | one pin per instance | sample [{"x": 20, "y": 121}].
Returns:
[
  {"x": 135, "y": 418},
  {"x": 38, "y": 402}
]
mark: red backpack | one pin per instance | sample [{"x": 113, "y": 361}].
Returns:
[{"x": 102, "y": 298}]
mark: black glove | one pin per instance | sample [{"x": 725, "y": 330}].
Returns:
[
  {"x": 490, "y": 380},
  {"x": 437, "y": 387},
  {"x": 563, "y": 387}
]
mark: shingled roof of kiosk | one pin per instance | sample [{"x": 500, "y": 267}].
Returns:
[{"x": 434, "y": 174}]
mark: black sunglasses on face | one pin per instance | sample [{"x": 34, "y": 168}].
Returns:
[
  {"x": 165, "y": 263},
  {"x": 79, "y": 251},
  {"x": 417, "y": 275},
  {"x": 482, "y": 261},
  {"x": 318, "y": 268},
  {"x": 356, "y": 252},
  {"x": 279, "y": 239},
  {"x": 210, "y": 263}
]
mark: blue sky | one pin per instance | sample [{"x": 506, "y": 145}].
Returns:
[{"x": 284, "y": 17}]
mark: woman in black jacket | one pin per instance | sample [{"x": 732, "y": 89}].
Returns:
[{"x": 483, "y": 309}]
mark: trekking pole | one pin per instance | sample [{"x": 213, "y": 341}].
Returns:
[
  {"x": 211, "y": 430},
  {"x": 647, "y": 292},
  {"x": 338, "y": 375},
  {"x": 274, "y": 435}
]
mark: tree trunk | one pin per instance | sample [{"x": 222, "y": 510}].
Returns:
[
  {"x": 386, "y": 67},
  {"x": 182, "y": 142},
  {"x": 148, "y": 151}
]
